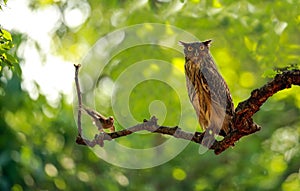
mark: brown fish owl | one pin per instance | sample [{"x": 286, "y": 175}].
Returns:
[{"x": 207, "y": 90}]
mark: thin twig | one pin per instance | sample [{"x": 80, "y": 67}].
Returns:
[{"x": 79, "y": 100}]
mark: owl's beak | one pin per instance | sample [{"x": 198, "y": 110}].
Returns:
[{"x": 196, "y": 53}]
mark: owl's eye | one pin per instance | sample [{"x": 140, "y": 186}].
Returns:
[
  {"x": 190, "y": 48},
  {"x": 202, "y": 47}
]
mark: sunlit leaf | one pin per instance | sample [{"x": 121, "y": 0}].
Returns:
[{"x": 6, "y": 35}]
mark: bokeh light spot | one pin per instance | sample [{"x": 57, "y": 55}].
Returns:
[{"x": 178, "y": 174}]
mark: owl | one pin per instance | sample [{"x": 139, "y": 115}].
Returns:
[{"x": 207, "y": 90}]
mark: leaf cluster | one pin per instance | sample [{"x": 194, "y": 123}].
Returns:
[{"x": 6, "y": 44}]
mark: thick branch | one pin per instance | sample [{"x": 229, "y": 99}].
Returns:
[
  {"x": 247, "y": 108},
  {"x": 242, "y": 121}
]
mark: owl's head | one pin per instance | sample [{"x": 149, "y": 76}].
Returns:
[{"x": 194, "y": 50}]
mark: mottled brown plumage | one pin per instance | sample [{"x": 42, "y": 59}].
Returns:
[{"x": 207, "y": 90}]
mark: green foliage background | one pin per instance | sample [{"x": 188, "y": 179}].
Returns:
[{"x": 251, "y": 38}]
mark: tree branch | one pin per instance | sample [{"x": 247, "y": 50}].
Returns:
[
  {"x": 242, "y": 121},
  {"x": 79, "y": 100},
  {"x": 247, "y": 108}
]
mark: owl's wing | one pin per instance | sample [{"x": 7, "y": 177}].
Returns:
[{"x": 217, "y": 88}]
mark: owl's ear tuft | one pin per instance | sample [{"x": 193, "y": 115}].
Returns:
[
  {"x": 183, "y": 43},
  {"x": 207, "y": 43}
]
